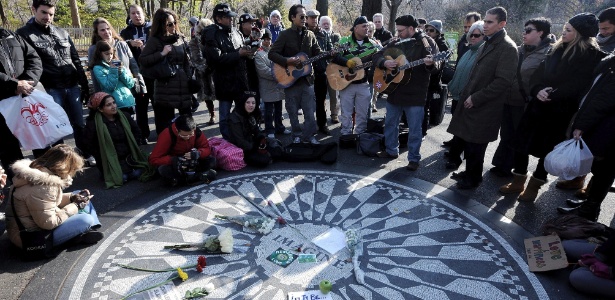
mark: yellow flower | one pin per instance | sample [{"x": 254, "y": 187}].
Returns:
[{"x": 182, "y": 274}]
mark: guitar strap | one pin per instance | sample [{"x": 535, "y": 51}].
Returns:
[{"x": 426, "y": 43}]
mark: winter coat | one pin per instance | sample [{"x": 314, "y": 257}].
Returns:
[
  {"x": 39, "y": 200},
  {"x": 132, "y": 32},
  {"x": 170, "y": 92},
  {"x": 462, "y": 46},
  {"x": 544, "y": 124},
  {"x": 529, "y": 60},
  {"x": 490, "y": 84},
  {"x": 61, "y": 64},
  {"x": 275, "y": 31},
  {"x": 434, "y": 79},
  {"x": 267, "y": 84},
  {"x": 365, "y": 52},
  {"x": 163, "y": 154},
  {"x": 462, "y": 71},
  {"x": 118, "y": 135},
  {"x": 324, "y": 42},
  {"x": 414, "y": 93},
  {"x": 199, "y": 63},
  {"x": 596, "y": 117},
  {"x": 243, "y": 131},
  {"x": 222, "y": 45},
  {"x": 292, "y": 41},
  {"x": 117, "y": 85},
  {"x": 22, "y": 59},
  {"x": 124, "y": 54},
  {"x": 382, "y": 35}
]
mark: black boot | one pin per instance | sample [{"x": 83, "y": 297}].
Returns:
[{"x": 587, "y": 210}]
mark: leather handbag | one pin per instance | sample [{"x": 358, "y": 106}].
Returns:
[
  {"x": 161, "y": 70},
  {"x": 36, "y": 244}
]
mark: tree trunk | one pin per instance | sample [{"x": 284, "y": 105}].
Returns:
[
  {"x": 126, "y": 5},
  {"x": 163, "y": 4},
  {"x": 74, "y": 12},
  {"x": 5, "y": 21},
  {"x": 322, "y": 6},
  {"x": 370, "y": 8},
  {"x": 393, "y": 7}
]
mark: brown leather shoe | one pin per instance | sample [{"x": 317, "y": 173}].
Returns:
[{"x": 574, "y": 184}]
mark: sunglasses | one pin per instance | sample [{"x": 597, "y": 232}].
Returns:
[
  {"x": 302, "y": 17},
  {"x": 476, "y": 35},
  {"x": 528, "y": 30},
  {"x": 172, "y": 24},
  {"x": 430, "y": 30}
]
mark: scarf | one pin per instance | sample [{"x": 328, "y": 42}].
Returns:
[{"x": 112, "y": 171}]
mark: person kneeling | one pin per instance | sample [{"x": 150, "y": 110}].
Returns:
[
  {"x": 245, "y": 134},
  {"x": 111, "y": 136},
  {"x": 182, "y": 153}
]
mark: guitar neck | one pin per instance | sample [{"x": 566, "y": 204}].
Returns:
[
  {"x": 363, "y": 66},
  {"x": 412, "y": 64},
  {"x": 315, "y": 58}
]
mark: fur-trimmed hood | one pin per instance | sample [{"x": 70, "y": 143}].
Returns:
[{"x": 24, "y": 175}]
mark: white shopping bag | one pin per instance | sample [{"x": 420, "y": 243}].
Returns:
[
  {"x": 569, "y": 159},
  {"x": 35, "y": 120}
]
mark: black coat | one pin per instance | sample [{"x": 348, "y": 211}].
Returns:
[
  {"x": 544, "y": 124},
  {"x": 222, "y": 54},
  {"x": 243, "y": 131},
  {"x": 24, "y": 61},
  {"x": 596, "y": 117}
]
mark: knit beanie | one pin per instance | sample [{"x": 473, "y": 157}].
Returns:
[
  {"x": 585, "y": 24},
  {"x": 95, "y": 99}
]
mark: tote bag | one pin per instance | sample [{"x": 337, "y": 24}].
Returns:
[{"x": 35, "y": 120}]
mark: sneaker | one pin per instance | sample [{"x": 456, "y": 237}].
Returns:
[
  {"x": 92, "y": 237},
  {"x": 90, "y": 161},
  {"x": 296, "y": 140},
  {"x": 271, "y": 136},
  {"x": 314, "y": 141}
]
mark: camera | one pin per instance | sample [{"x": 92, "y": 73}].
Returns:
[
  {"x": 254, "y": 41},
  {"x": 116, "y": 63}
]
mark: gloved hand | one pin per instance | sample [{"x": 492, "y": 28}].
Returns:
[
  {"x": 588, "y": 260},
  {"x": 351, "y": 64},
  {"x": 601, "y": 270}
]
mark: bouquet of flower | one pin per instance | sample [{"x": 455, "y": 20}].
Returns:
[
  {"x": 354, "y": 244},
  {"x": 213, "y": 244},
  {"x": 263, "y": 225},
  {"x": 279, "y": 218},
  {"x": 200, "y": 292}
]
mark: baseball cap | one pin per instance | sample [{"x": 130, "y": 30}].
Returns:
[{"x": 223, "y": 9}]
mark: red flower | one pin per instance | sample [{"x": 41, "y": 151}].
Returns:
[
  {"x": 281, "y": 220},
  {"x": 201, "y": 263}
]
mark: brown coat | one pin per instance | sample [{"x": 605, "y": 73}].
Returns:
[
  {"x": 489, "y": 86},
  {"x": 39, "y": 201}
]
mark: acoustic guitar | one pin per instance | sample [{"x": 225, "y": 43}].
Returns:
[
  {"x": 286, "y": 76},
  {"x": 340, "y": 77},
  {"x": 386, "y": 81}
]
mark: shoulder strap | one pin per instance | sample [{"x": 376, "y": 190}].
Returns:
[
  {"x": 426, "y": 44},
  {"x": 173, "y": 136},
  {"x": 19, "y": 224}
]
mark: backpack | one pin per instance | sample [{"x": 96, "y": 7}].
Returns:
[
  {"x": 370, "y": 143},
  {"x": 325, "y": 152}
]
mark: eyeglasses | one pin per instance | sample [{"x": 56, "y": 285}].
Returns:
[
  {"x": 476, "y": 35},
  {"x": 171, "y": 24},
  {"x": 186, "y": 136},
  {"x": 528, "y": 30},
  {"x": 400, "y": 30},
  {"x": 303, "y": 17},
  {"x": 430, "y": 30}
]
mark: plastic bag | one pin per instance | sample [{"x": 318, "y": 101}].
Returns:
[
  {"x": 569, "y": 159},
  {"x": 35, "y": 120}
]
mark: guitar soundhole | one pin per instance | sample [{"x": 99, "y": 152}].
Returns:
[
  {"x": 341, "y": 73},
  {"x": 287, "y": 72}
]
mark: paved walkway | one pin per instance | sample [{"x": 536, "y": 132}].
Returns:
[{"x": 421, "y": 240}]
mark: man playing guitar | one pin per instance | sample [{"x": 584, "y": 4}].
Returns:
[
  {"x": 409, "y": 97},
  {"x": 284, "y": 52}
]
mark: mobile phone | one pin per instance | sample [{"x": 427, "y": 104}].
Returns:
[{"x": 116, "y": 63}]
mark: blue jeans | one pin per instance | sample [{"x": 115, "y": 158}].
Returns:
[
  {"x": 70, "y": 100},
  {"x": 273, "y": 117},
  {"x": 76, "y": 225},
  {"x": 224, "y": 110},
  {"x": 414, "y": 117}
]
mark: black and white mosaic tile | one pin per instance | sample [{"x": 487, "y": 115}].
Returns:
[{"x": 415, "y": 246}]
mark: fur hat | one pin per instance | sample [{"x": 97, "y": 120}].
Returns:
[
  {"x": 407, "y": 20},
  {"x": 585, "y": 24},
  {"x": 95, "y": 99}
]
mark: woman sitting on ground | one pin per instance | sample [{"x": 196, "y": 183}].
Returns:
[
  {"x": 112, "y": 76},
  {"x": 595, "y": 273},
  {"x": 38, "y": 200},
  {"x": 112, "y": 138},
  {"x": 245, "y": 134}
]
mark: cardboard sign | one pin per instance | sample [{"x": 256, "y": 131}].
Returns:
[
  {"x": 309, "y": 295},
  {"x": 545, "y": 253}
]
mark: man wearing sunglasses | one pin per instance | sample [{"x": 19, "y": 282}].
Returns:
[
  {"x": 477, "y": 119},
  {"x": 300, "y": 95},
  {"x": 225, "y": 54}
]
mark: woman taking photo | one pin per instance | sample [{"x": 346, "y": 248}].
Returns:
[
  {"x": 170, "y": 93},
  {"x": 38, "y": 200},
  {"x": 112, "y": 137},
  {"x": 557, "y": 86},
  {"x": 112, "y": 77},
  {"x": 244, "y": 132},
  {"x": 104, "y": 31}
]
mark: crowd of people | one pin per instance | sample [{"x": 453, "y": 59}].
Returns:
[{"x": 532, "y": 97}]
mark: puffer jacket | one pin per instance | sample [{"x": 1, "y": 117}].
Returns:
[
  {"x": 22, "y": 58},
  {"x": 122, "y": 50},
  {"x": 61, "y": 64},
  {"x": 171, "y": 92},
  {"x": 117, "y": 85},
  {"x": 222, "y": 45},
  {"x": 39, "y": 200}
]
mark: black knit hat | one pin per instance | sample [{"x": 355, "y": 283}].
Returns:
[
  {"x": 585, "y": 24},
  {"x": 407, "y": 20}
]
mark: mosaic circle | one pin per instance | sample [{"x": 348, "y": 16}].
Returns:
[{"x": 414, "y": 246}]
